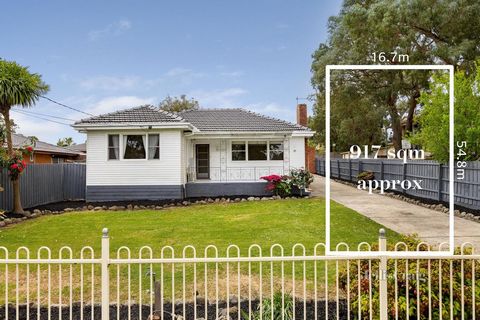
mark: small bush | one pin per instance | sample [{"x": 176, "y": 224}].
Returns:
[
  {"x": 417, "y": 279},
  {"x": 301, "y": 178},
  {"x": 366, "y": 175},
  {"x": 283, "y": 185},
  {"x": 274, "y": 307},
  {"x": 279, "y": 185}
]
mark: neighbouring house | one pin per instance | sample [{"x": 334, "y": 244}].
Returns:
[
  {"x": 81, "y": 149},
  {"x": 149, "y": 154},
  {"x": 44, "y": 152}
]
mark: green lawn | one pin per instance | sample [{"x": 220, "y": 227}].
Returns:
[
  {"x": 284, "y": 222},
  {"x": 263, "y": 222}
]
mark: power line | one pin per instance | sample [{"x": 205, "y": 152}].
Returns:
[
  {"x": 45, "y": 115},
  {"x": 65, "y": 106},
  {"x": 37, "y": 117}
]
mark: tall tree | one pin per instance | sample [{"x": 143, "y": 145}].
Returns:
[
  {"x": 17, "y": 87},
  {"x": 65, "y": 142},
  {"x": 3, "y": 151},
  {"x": 430, "y": 32},
  {"x": 433, "y": 119},
  {"x": 179, "y": 104}
]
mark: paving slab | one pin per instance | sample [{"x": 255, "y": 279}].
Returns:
[{"x": 430, "y": 225}]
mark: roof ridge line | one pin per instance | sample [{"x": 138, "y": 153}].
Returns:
[
  {"x": 276, "y": 119},
  {"x": 114, "y": 112}
]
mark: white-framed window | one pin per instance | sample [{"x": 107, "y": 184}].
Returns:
[
  {"x": 257, "y": 150},
  {"x": 239, "y": 150},
  {"x": 275, "y": 150},
  {"x": 113, "y": 147},
  {"x": 135, "y": 146},
  {"x": 153, "y": 146}
]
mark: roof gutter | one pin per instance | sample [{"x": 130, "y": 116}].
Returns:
[{"x": 133, "y": 126}]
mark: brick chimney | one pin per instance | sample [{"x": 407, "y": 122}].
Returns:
[{"x": 302, "y": 119}]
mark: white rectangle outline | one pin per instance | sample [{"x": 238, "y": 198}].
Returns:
[{"x": 328, "y": 68}]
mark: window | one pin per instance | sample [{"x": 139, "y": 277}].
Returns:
[
  {"x": 257, "y": 150},
  {"x": 276, "y": 151},
  {"x": 153, "y": 146},
  {"x": 134, "y": 147},
  {"x": 57, "y": 160},
  {"x": 113, "y": 147},
  {"x": 238, "y": 151}
]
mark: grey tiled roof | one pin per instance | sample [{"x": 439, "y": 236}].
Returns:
[
  {"x": 205, "y": 120},
  {"x": 139, "y": 114},
  {"x": 81, "y": 147},
  {"x": 20, "y": 140},
  {"x": 237, "y": 120}
]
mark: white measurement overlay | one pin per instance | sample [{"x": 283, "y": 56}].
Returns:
[{"x": 452, "y": 163}]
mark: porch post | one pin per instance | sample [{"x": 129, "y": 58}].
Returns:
[
  {"x": 223, "y": 160},
  {"x": 286, "y": 155}
]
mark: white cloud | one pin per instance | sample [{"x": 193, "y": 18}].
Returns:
[
  {"x": 274, "y": 109},
  {"x": 226, "y": 98},
  {"x": 184, "y": 75},
  {"x": 50, "y": 132},
  {"x": 111, "y": 104},
  {"x": 110, "y": 83},
  {"x": 44, "y": 130},
  {"x": 114, "y": 29},
  {"x": 233, "y": 74}
]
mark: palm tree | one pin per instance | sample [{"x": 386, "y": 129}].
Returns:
[{"x": 17, "y": 87}]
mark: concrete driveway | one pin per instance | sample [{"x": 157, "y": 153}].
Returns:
[{"x": 403, "y": 217}]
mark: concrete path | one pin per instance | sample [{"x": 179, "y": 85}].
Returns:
[{"x": 400, "y": 216}]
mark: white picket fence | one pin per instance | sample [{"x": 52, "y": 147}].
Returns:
[{"x": 206, "y": 284}]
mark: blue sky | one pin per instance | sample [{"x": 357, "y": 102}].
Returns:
[{"x": 101, "y": 56}]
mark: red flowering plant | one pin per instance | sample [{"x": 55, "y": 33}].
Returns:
[
  {"x": 16, "y": 163},
  {"x": 279, "y": 185}
]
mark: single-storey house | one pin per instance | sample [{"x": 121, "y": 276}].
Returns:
[
  {"x": 145, "y": 153},
  {"x": 44, "y": 152}
]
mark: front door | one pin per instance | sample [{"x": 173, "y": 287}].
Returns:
[{"x": 202, "y": 152}]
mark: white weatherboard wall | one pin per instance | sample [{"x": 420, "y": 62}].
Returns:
[
  {"x": 165, "y": 171},
  {"x": 221, "y": 157},
  {"x": 297, "y": 152}
]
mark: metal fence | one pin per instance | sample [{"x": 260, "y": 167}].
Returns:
[
  {"x": 257, "y": 283},
  {"x": 45, "y": 183},
  {"x": 237, "y": 174},
  {"x": 434, "y": 175}
]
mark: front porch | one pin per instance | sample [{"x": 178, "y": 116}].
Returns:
[
  {"x": 229, "y": 182},
  {"x": 232, "y": 166},
  {"x": 231, "y": 174}
]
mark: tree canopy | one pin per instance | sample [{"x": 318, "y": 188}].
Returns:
[
  {"x": 65, "y": 142},
  {"x": 433, "y": 119},
  {"x": 179, "y": 104},
  {"x": 18, "y": 87},
  {"x": 429, "y": 32}
]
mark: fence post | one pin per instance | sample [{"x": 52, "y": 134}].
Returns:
[
  {"x": 440, "y": 182},
  {"x": 350, "y": 169},
  {"x": 381, "y": 170},
  {"x": 105, "y": 261},
  {"x": 404, "y": 175},
  {"x": 382, "y": 276},
  {"x": 338, "y": 168}
]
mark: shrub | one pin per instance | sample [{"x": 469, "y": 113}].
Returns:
[
  {"x": 279, "y": 185},
  {"x": 366, "y": 175},
  {"x": 408, "y": 274},
  {"x": 301, "y": 178},
  {"x": 282, "y": 185},
  {"x": 275, "y": 306}
]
